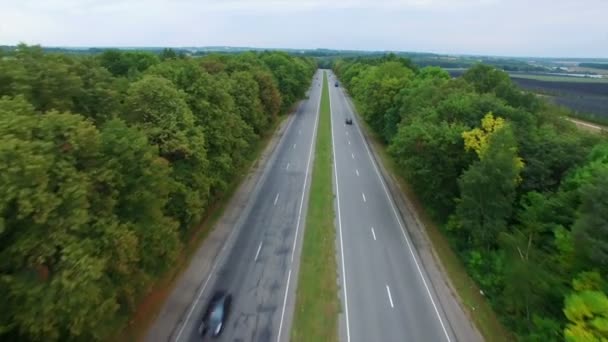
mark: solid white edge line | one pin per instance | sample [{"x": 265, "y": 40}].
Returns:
[
  {"x": 276, "y": 199},
  {"x": 390, "y": 298},
  {"x": 374, "y": 233},
  {"x": 295, "y": 238},
  {"x": 258, "y": 252},
  {"x": 284, "y": 305},
  {"x": 364, "y": 200},
  {"x": 407, "y": 240},
  {"x": 339, "y": 222}
]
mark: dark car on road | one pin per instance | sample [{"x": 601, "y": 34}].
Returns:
[
  {"x": 349, "y": 121},
  {"x": 216, "y": 314},
  {"x": 336, "y": 84}
]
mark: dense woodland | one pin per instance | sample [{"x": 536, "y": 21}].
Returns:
[
  {"x": 521, "y": 194},
  {"x": 107, "y": 163}
]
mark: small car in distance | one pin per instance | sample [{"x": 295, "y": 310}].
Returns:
[
  {"x": 348, "y": 121},
  {"x": 336, "y": 84},
  {"x": 216, "y": 314}
]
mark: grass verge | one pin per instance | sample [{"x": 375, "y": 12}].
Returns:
[
  {"x": 478, "y": 308},
  {"x": 151, "y": 304},
  {"x": 317, "y": 306}
]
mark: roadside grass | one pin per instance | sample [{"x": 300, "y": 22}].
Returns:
[
  {"x": 559, "y": 78},
  {"x": 477, "y": 306},
  {"x": 150, "y": 305},
  {"x": 317, "y": 304}
]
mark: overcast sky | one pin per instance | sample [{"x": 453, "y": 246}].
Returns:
[{"x": 491, "y": 27}]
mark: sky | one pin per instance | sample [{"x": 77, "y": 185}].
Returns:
[{"x": 542, "y": 28}]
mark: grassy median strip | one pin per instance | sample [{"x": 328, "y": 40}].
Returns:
[{"x": 317, "y": 305}]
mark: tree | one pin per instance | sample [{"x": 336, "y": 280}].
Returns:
[
  {"x": 246, "y": 94},
  {"x": 269, "y": 93},
  {"x": 487, "y": 189},
  {"x": 101, "y": 94},
  {"x": 46, "y": 81},
  {"x": 129, "y": 63},
  {"x": 587, "y": 310},
  {"x": 377, "y": 89},
  {"x": 591, "y": 228},
  {"x": 168, "y": 53},
  {"x": 478, "y": 139},
  {"x": 161, "y": 112},
  {"x": 52, "y": 282},
  {"x": 526, "y": 277},
  {"x": 487, "y": 79},
  {"x": 431, "y": 158}
]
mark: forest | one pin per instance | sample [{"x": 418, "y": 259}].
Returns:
[
  {"x": 520, "y": 193},
  {"x": 108, "y": 163}
]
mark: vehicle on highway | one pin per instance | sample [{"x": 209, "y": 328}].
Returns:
[
  {"x": 336, "y": 84},
  {"x": 349, "y": 121},
  {"x": 216, "y": 314}
]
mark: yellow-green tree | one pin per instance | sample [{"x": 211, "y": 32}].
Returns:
[
  {"x": 487, "y": 187},
  {"x": 587, "y": 310}
]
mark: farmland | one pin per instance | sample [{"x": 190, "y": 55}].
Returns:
[{"x": 586, "y": 99}]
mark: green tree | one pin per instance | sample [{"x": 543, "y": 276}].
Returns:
[
  {"x": 48, "y": 81},
  {"x": 101, "y": 94},
  {"x": 487, "y": 190},
  {"x": 155, "y": 106},
  {"x": 52, "y": 279},
  {"x": 246, "y": 94},
  {"x": 431, "y": 157},
  {"x": 127, "y": 63},
  {"x": 587, "y": 310},
  {"x": 377, "y": 89},
  {"x": 591, "y": 228}
]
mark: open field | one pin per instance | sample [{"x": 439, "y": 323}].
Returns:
[
  {"x": 585, "y": 99},
  {"x": 559, "y": 78}
]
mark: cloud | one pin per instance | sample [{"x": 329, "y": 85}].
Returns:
[{"x": 505, "y": 27}]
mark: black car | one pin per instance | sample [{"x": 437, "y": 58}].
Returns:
[
  {"x": 349, "y": 121},
  {"x": 336, "y": 84},
  {"x": 216, "y": 314}
]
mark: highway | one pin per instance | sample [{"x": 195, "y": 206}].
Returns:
[
  {"x": 386, "y": 295},
  {"x": 260, "y": 262}
]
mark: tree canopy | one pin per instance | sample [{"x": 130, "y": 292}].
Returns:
[{"x": 108, "y": 163}]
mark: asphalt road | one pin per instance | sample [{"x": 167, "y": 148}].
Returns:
[
  {"x": 260, "y": 267},
  {"x": 386, "y": 293}
]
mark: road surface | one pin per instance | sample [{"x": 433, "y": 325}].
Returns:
[
  {"x": 386, "y": 294},
  {"x": 260, "y": 267}
]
